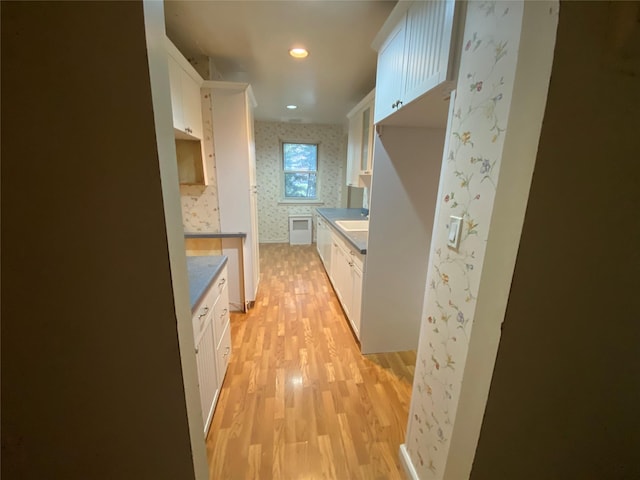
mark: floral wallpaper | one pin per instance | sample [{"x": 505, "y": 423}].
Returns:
[
  {"x": 273, "y": 217},
  {"x": 469, "y": 179},
  {"x": 200, "y": 203}
]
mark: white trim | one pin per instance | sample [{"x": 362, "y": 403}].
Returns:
[
  {"x": 317, "y": 200},
  {"x": 405, "y": 460}
]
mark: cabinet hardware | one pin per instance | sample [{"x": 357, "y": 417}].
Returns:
[
  {"x": 394, "y": 105},
  {"x": 196, "y": 350},
  {"x": 399, "y": 102},
  {"x": 224, "y": 312},
  {"x": 222, "y": 282}
]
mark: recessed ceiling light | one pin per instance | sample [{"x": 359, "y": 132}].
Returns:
[
  {"x": 292, "y": 107},
  {"x": 298, "y": 52}
]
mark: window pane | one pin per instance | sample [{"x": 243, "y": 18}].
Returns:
[
  {"x": 300, "y": 156},
  {"x": 300, "y": 185}
]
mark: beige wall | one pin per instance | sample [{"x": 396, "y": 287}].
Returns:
[
  {"x": 566, "y": 388},
  {"x": 273, "y": 218},
  {"x": 92, "y": 380}
]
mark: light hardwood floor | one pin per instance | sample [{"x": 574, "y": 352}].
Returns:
[{"x": 299, "y": 400}]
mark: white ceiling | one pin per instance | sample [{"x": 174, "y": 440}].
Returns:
[{"x": 249, "y": 41}]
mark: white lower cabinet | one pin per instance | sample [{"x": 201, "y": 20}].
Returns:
[
  {"x": 345, "y": 272},
  {"x": 212, "y": 332},
  {"x": 356, "y": 298},
  {"x": 207, "y": 373},
  {"x": 324, "y": 243}
]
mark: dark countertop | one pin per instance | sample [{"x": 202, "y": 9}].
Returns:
[
  {"x": 357, "y": 239},
  {"x": 202, "y": 272}
]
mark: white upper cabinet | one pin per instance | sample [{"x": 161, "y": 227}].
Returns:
[
  {"x": 416, "y": 55},
  {"x": 186, "y": 107},
  {"x": 175, "y": 83},
  {"x": 360, "y": 143},
  {"x": 185, "y": 95},
  {"x": 390, "y": 72}
]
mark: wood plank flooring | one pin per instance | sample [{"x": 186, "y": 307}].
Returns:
[{"x": 299, "y": 401}]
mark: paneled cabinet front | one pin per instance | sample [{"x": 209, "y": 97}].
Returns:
[
  {"x": 345, "y": 272},
  {"x": 416, "y": 56},
  {"x": 185, "y": 100},
  {"x": 212, "y": 333}
]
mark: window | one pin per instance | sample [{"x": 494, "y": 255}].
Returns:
[{"x": 300, "y": 166}]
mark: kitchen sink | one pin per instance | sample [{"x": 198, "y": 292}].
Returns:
[{"x": 353, "y": 225}]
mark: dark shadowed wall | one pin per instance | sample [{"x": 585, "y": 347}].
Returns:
[
  {"x": 565, "y": 394},
  {"x": 92, "y": 384}
]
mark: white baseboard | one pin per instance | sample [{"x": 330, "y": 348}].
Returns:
[{"x": 406, "y": 463}]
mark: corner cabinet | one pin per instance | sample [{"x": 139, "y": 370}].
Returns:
[
  {"x": 417, "y": 51},
  {"x": 360, "y": 142}
]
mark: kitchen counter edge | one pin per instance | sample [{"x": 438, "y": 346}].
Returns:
[{"x": 202, "y": 272}]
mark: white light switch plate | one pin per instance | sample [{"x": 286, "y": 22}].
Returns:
[{"x": 455, "y": 230}]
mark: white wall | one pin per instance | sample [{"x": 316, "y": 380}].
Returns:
[
  {"x": 405, "y": 184},
  {"x": 273, "y": 217},
  {"x": 501, "y": 91}
]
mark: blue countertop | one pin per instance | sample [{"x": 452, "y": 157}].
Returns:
[
  {"x": 357, "y": 239},
  {"x": 202, "y": 272}
]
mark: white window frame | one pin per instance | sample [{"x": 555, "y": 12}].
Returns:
[{"x": 300, "y": 200}]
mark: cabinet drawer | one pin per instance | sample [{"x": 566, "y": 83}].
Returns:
[
  {"x": 220, "y": 283},
  {"x": 221, "y": 315},
  {"x": 223, "y": 353},
  {"x": 203, "y": 312}
]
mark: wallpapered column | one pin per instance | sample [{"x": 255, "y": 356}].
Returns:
[
  {"x": 469, "y": 179},
  {"x": 200, "y": 203},
  {"x": 273, "y": 214}
]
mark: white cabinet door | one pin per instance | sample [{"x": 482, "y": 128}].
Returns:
[
  {"x": 356, "y": 299},
  {"x": 341, "y": 272},
  {"x": 319, "y": 238},
  {"x": 390, "y": 73},
  {"x": 186, "y": 104},
  {"x": 175, "y": 84},
  {"x": 416, "y": 56},
  {"x": 207, "y": 375},
  {"x": 191, "y": 105},
  {"x": 427, "y": 46}
]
